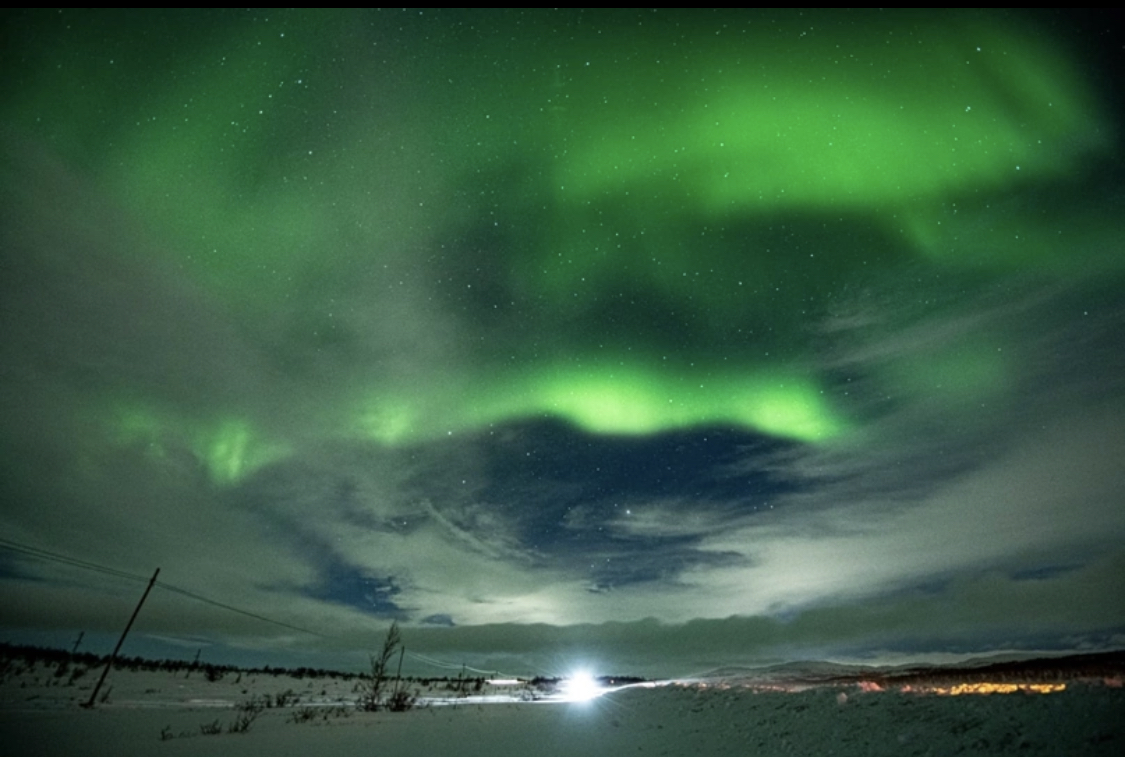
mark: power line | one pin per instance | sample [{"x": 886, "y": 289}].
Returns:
[
  {"x": 448, "y": 665},
  {"x": 49, "y": 556},
  {"x": 247, "y": 613}
]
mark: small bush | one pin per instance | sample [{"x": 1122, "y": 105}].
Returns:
[
  {"x": 248, "y": 712},
  {"x": 401, "y": 700},
  {"x": 303, "y": 715}
]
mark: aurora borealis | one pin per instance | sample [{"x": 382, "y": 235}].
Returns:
[{"x": 794, "y": 332}]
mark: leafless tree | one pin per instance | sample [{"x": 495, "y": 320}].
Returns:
[{"x": 372, "y": 692}]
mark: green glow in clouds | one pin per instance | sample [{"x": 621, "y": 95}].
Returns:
[
  {"x": 891, "y": 121},
  {"x": 616, "y": 400},
  {"x": 830, "y": 115},
  {"x": 611, "y": 401},
  {"x": 228, "y": 450},
  {"x": 669, "y": 186}
]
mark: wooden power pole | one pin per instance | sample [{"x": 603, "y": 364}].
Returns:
[{"x": 112, "y": 657}]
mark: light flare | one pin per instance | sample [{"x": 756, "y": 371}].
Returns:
[{"x": 581, "y": 687}]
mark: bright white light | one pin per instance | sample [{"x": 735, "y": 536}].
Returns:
[{"x": 580, "y": 687}]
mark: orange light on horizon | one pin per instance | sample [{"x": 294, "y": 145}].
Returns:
[{"x": 988, "y": 688}]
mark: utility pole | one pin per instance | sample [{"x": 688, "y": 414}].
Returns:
[
  {"x": 399, "y": 687},
  {"x": 112, "y": 657}
]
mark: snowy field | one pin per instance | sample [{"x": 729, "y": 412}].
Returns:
[{"x": 158, "y": 713}]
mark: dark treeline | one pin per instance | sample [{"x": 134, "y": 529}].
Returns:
[
  {"x": 1043, "y": 669},
  {"x": 606, "y": 681},
  {"x": 1091, "y": 666},
  {"x": 11, "y": 654}
]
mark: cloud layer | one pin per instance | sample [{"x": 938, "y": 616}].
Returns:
[{"x": 495, "y": 345}]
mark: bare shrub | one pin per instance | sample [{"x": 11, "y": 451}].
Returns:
[
  {"x": 401, "y": 700},
  {"x": 303, "y": 715},
  {"x": 248, "y": 712},
  {"x": 373, "y": 688}
]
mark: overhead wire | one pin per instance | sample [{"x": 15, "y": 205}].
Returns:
[
  {"x": 247, "y": 613},
  {"x": 449, "y": 665},
  {"x": 45, "y": 554},
  {"x": 48, "y": 555}
]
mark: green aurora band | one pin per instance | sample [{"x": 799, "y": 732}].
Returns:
[{"x": 661, "y": 168}]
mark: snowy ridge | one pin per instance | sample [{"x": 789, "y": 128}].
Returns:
[{"x": 1105, "y": 667}]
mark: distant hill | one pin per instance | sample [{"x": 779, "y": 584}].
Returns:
[
  {"x": 1000, "y": 668},
  {"x": 797, "y": 670}
]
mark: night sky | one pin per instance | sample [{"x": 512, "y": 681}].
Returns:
[{"x": 654, "y": 341}]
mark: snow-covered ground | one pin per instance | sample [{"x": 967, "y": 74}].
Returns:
[{"x": 164, "y": 713}]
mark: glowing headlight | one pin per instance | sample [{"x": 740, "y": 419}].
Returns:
[{"x": 580, "y": 687}]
